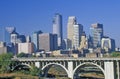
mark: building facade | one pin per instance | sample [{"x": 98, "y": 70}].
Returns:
[
  {"x": 35, "y": 40},
  {"x": 96, "y": 32},
  {"x": 25, "y": 48},
  {"x": 2, "y": 33},
  {"x": 3, "y": 47},
  {"x": 78, "y": 30},
  {"x": 84, "y": 42},
  {"x": 8, "y": 31},
  {"x": 14, "y": 37},
  {"x": 70, "y": 31},
  {"x": 57, "y": 28},
  {"x": 108, "y": 44},
  {"x": 47, "y": 42}
]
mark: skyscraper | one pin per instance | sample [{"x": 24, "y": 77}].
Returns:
[
  {"x": 74, "y": 33},
  {"x": 14, "y": 37},
  {"x": 8, "y": 31},
  {"x": 22, "y": 39},
  {"x": 77, "y": 32},
  {"x": 70, "y": 31},
  {"x": 28, "y": 38},
  {"x": 35, "y": 40},
  {"x": 57, "y": 28},
  {"x": 96, "y": 32},
  {"x": 1, "y": 33}
]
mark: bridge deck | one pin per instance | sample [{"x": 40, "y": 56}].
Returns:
[{"x": 63, "y": 59}]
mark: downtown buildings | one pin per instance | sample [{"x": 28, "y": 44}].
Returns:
[
  {"x": 74, "y": 33},
  {"x": 49, "y": 42}
]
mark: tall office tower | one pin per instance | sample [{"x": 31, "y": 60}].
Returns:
[
  {"x": 22, "y": 39},
  {"x": 108, "y": 44},
  {"x": 77, "y": 32},
  {"x": 57, "y": 28},
  {"x": 14, "y": 37},
  {"x": 35, "y": 40},
  {"x": 65, "y": 44},
  {"x": 70, "y": 31},
  {"x": 47, "y": 42},
  {"x": 8, "y": 31},
  {"x": 96, "y": 32},
  {"x": 28, "y": 39},
  {"x": 55, "y": 41},
  {"x": 1, "y": 33}
]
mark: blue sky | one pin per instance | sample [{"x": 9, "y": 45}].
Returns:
[{"x": 32, "y": 15}]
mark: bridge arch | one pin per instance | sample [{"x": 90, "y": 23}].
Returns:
[
  {"x": 91, "y": 63},
  {"x": 50, "y": 64},
  {"x": 21, "y": 64}
]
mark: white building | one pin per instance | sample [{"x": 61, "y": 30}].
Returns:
[
  {"x": 14, "y": 38},
  {"x": 108, "y": 44},
  {"x": 25, "y": 48},
  {"x": 70, "y": 31},
  {"x": 74, "y": 32},
  {"x": 84, "y": 42},
  {"x": 3, "y": 48},
  {"x": 76, "y": 37}
]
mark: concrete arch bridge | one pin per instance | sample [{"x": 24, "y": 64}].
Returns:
[{"x": 108, "y": 66}]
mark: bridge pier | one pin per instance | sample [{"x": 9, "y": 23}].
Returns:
[
  {"x": 70, "y": 69},
  {"x": 109, "y": 70},
  {"x": 118, "y": 70},
  {"x": 37, "y": 64}
]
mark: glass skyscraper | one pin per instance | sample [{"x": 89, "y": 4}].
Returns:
[
  {"x": 35, "y": 40},
  {"x": 7, "y": 35},
  {"x": 1, "y": 33},
  {"x": 57, "y": 28},
  {"x": 96, "y": 33}
]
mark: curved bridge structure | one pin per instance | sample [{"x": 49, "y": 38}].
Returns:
[{"x": 109, "y": 66}]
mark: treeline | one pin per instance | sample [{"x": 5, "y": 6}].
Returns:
[{"x": 6, "y": 62}]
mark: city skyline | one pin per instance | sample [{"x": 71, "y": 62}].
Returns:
[{"x": 34, "y": 15}]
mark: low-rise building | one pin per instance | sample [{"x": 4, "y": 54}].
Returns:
[
  {"x": 3, "y": 48},
  {"x": 25, "y": 48}
]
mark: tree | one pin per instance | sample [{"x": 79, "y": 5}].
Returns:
[
  {"x": 115, "y": 54},
  {"x": 5, "y": 61},
  {"x": 22, "y": 55},
  {"x": 34, "y": 71}
]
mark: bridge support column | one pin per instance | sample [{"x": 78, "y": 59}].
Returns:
[
  {"x": 37, "y": 64},
  {"x": 70, "y": 69},
  {"x": 118, "y": 70},
  {"x": 109, "y": 70}
]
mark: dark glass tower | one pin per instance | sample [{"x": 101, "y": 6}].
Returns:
[
  {"x": 8, "y": 32},
  {"x": 35, "y": 40},
  {"x": 57, "y": 28}
]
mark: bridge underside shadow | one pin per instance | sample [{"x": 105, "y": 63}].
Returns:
[
  {"x": 21, "y": 67},
  {"x": 54, "y": 70},
  {"x": 88, "y": 71}
]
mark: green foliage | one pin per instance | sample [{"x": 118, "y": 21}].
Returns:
[
  {"x": 21, "y": 55},
  {"x": 35, "y": 71},
  {"x": 5, "y": 61},
  {"x": 115, "y": 54}
]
